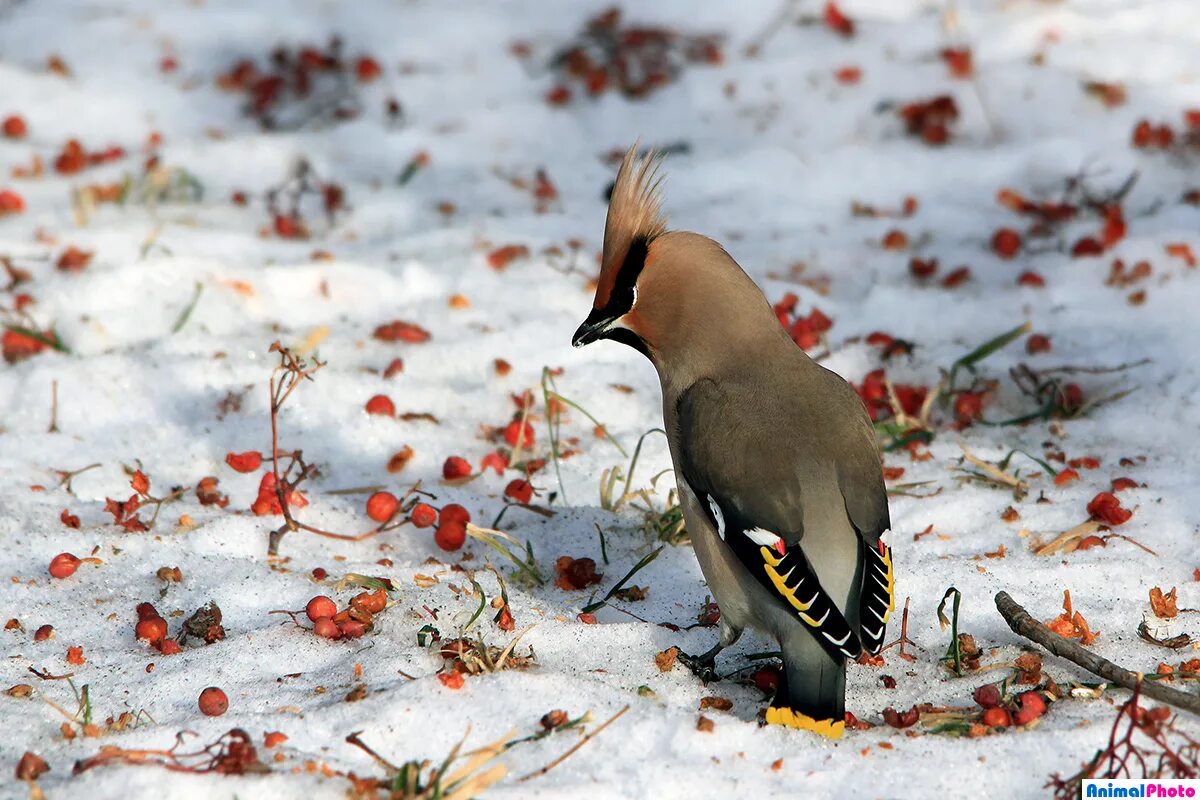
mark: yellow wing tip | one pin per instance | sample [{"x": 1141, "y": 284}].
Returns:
[{"x": 830, "y": 729}]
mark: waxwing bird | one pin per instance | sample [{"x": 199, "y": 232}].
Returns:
[{"x": 776, "y": 461}]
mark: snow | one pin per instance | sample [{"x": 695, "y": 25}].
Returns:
[{"x": 774, "y": 164}]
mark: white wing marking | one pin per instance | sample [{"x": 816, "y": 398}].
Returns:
[
  {"x": 717, "y": 515},
  {"x": 762, "y": 538}
]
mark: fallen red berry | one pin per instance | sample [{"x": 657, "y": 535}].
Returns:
[
  {"x": 15, "y": 127},
  {"x": 249, "y": 461},
  {"x": 1106, "y": 507},
  {"x": 213, "y": 702},
  {"x": 987, "y": 696},
  {"x": 1037, "y": 343},
  {"x": 169, "y": 647},
  {"x": 43, "y": 633},
  {"x": 326, "y": 628},
  {"x": 450, "y": 536},
  {"x": 63, "y": 565},
  {"x": 1121, "y": 484},
  {"x": 274, "y": 739},
  {"x": 454, "y": 513},
  {"x": 456, "y": 467},
  {"x": 381, "y": 506},
  {"x": 352, "y": 629},
  {"x": 1006, "y": 243},
  {"x": 367, "y": 69},
  {"x": 451, "y": 680},
  {"x": 320, "y": 606},
  {"x": 151, "y": 630},
  {"x": 519, "y": 490},
  {"x": 996, "y": 718},
  {"x": 374, "y": 602},
  {"x": 494, "y": 461},
  {"x": 515, "y": 432},
  {"x": 1034, "y": 702},
  {"x": 11, "y": 202},
  {"x": 423, "y": 515},
  {"x": 381, "y": 404}
]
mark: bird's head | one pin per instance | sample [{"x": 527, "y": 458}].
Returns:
[{"x": 673, "y": 296}]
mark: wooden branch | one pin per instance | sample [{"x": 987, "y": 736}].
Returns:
[{"x": 1025, "y": 625}]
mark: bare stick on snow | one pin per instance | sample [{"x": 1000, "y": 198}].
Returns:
[{"x": 1025, "y": 625}]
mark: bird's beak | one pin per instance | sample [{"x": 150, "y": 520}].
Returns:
[{"x": 593, "y": 328}]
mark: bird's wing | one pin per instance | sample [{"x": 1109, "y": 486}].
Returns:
[
  {"x": 757, "y": 510},
  {"x": 860, "y": 480}
]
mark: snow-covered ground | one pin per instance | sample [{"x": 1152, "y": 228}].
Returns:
[{"x": 778, "y": 150}]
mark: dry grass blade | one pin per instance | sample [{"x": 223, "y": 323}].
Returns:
[
  {"x": 476, "y": 781},
  {"x": 992, "y": 472},
  {"x": 1068, "y": 541}
]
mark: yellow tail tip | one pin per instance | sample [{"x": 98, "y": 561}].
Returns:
[{"x": 830, "y": 729}]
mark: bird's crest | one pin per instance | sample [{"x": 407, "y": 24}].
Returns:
[{"x": 634, "y": 220}]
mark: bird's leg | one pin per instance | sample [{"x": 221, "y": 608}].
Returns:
[{"x": 704, "y": 665}]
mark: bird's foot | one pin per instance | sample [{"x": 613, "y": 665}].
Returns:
[
  {"x": 782, "y": 715},
  {"x": 702, "y": 666}
]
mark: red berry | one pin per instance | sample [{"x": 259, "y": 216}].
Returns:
[
  {"x": 1024, "y": 716},
  {"x": 558, "y": 96},
  {"x": 1006, "y": 242},
  {"x": 151, "y": 630},
  {"x": 1037, "y": 343},
  {"x": 454, "y": 513},
  {"x": 1033, "y": 702},
  {"x": 450, "y": 536},
  {"x": 274, "y": 739},
  {"x": 1030, "y": 278},
  {"x": 147, "y": 611},
  {"x": 996, "y": 718},
  {"x": 423, "y": 515},
  {"x": 373, "y": 602},
  {"x": 213, "y": 702},
  {"x": 15, "y": 127},
  {"x": 495, "y": 461},
  {"x": 987, "y": 696},
  {"x": 1121, "y": 484},
  {"x": 381, "y": 404},
  {"x": 520, "y": 490},
  {"x": 326, "y": 628},
  {"x": 456, "y": 467},
  {"x": 381, "y": 506},
  {"x": 1106, "y": 508},
  {"x": 244, "y": 462},
  {"x": 287, "y": 226},
  {"x": 11, "y": 202},
  {"x": 169, "y": 647},
  {"x": 515, "y": 431},
  {"x": 767, "y": 679},
  {"x": 43, "y": 633},
  {"x": 367, "y": 69},
  {"x": 63, "y": 565},
  {"x": 320, "y": 606},
  {"x": 352, "y": 629},
  {"x": 451, "y": 680},
  {"x": 394, "y": 368}
]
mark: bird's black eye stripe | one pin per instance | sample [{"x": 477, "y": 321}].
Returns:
[{"x": 620, "y": 300}]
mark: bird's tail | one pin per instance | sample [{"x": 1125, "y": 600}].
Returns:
[{"x": 812, "y": 695}]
